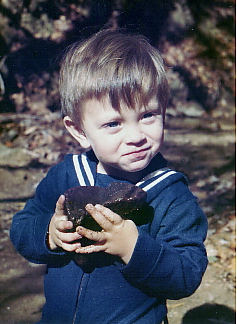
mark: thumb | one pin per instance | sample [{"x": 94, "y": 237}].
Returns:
[{"x": 60, "y": 206}]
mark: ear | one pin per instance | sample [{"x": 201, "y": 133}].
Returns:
[{"x": 76, "y": 132}]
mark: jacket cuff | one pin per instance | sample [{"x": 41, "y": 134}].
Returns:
[
  {"x": 41, "y": 235},
  {"x": 144, "y": 257}
]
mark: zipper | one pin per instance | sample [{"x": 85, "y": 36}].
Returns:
[{"x": 83, "y": 284}]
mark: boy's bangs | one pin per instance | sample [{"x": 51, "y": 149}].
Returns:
[
  {"x": 132, "y": 86},
  {"x": 132, "y": 95}
]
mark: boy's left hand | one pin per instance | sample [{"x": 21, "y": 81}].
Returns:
[{"x": 118, "y": 236}]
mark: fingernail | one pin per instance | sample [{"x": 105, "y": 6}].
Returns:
[
  {"x": 69, "y": 225},
  {"x": 98, "y": 207},
  {"x": 89, "y": 206},
  {"x": 78, "y": 248}
]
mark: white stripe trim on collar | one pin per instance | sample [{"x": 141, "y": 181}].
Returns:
[
  {"x": 153, "y": 183},
  {"x": 78, "y": 170},
  {"x": 91, "y": 178},
  {"x": 151, "y": 175},
  {"x": 87, "y": 169}
]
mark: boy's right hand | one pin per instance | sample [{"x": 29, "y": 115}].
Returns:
[{"x": 58, "y": 235}]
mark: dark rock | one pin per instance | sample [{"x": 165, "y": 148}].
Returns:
[{"x": 127, "y": 200}]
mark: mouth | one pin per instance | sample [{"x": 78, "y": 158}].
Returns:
[
  {"x": 139, "y": 154},
  {"x": 138, "y": 151}
]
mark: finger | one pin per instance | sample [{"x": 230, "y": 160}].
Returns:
[
  {"x": 64, "y": 225},
  {"x": 98, "y": 216},
  {"x": 60, "y": 205},
  {"x": 90, "y": 249},
  {"x": 69, "y": 237},
  {"x": 68, "y": 241},
  {"x": 91, "y": 235},
  {"x": 70, "y": 247},
  {"x": 114, "y": 218}
]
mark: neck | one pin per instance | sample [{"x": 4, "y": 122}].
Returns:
[{"x": 132, "y": 177}]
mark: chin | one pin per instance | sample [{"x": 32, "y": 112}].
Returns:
[{"x": 138, "y": 167}]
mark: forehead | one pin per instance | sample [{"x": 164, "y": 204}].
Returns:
[{"x": 92, "y": 105}]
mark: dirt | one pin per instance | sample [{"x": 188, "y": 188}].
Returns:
[{"x": 203, "y": 148}]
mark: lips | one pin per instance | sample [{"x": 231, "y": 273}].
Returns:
[
  {"x": 138, "y": 152},
  {"x": 137, "y": 155}
]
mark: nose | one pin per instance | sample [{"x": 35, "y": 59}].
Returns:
[{"x": 134, "y": 135}]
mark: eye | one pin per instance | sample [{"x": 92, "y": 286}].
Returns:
[
  {"x": 112, "y": 124},
  {"x": 148, "y": 115}
]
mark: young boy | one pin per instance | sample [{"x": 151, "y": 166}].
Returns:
[{"x": 114, "y": 95}]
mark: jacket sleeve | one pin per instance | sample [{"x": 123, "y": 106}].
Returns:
[
  {"x": 169, "y": 258},
  {"x": 29, "y": 226}
]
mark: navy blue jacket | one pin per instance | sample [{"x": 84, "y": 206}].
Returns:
[{"x": 168, "y": 261}]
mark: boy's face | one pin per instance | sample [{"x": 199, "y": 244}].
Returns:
[{"x": 124, "y": 142}]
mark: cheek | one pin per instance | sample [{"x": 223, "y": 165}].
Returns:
[
  {"x": 157, "y": 134},
  {"x": 106, "y": 143},
  {"x": 102, "y": 148},
  {"x": 162, "y": 136}
]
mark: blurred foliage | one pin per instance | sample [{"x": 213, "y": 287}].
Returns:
[{"x": 196, "y": 38}]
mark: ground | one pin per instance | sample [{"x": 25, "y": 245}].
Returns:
[{"x": 202, "y": 147}]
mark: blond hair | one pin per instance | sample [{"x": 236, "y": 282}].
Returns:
[{"x": 125, "y": 68}]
